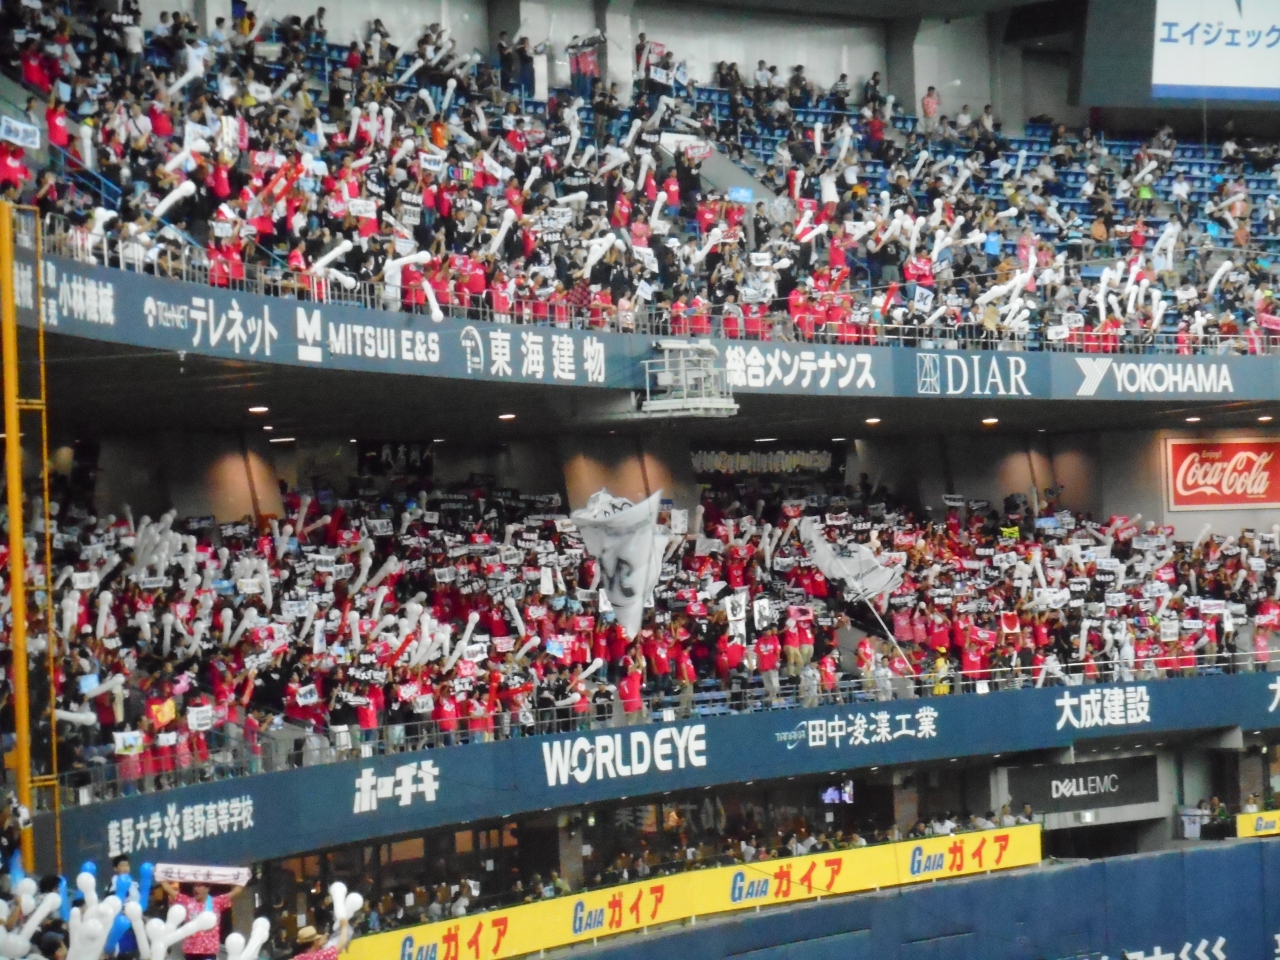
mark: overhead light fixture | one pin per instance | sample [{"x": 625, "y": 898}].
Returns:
[
  {"x": 353, "y": 440},
  {"x": 765, "y": 439},
  {"x": 281, "y": 440},
  {"x": 1193, "y": 419},
  {"x": 836, "y": 439},
  {"x": 438, "y": 440},
  {"x": 1265, "y": 418},
  {"x": 267, "y": 426},
  {"x": 991, "y": 421},
  {"x": 259, "y": 409},
  {"x": 872, "y": 420},
  {"x": 506, "y": 416}
]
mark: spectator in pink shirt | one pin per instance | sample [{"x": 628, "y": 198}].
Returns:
[{"x": 203, "y": 945}]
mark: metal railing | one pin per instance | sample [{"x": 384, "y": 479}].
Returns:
[
  {"x": 285, "y": 745},
  {"x": 189, "y": 263}
]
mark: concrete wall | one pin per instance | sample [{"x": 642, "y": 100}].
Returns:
[
  {"x": 629, "y": 467},
  {"x": 952, "y": 56},
  {"x": 197, "y": 475},
  {"x": 703, "y": 36},
  {"x": 1046, "y": 83}
]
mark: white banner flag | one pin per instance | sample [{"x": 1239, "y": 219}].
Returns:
[
  {"x": 624, "y": 537},
  {"x": 23, "y": 134}
]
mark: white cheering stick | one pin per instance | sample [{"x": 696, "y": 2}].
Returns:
[
  {"x": 361, "y": 163},
  {"x": 186, "y": 153},
  {"x": 532, "y": 642},
  {"x": 659, "y": 202},
  {"x": 574, "y": 134},
  {"x": 1204, "y": 532},
  {"x": 186, "y": 189},
  {"x": 413, "y": 68},
  {"x": 85, "y": 718},
  {"x": 1158, "y": 308},
  {"x": 1115, "y": 305},
  {"x": 941, "y": 165},
  {"x": 595, "y": 250},
  {"x": 316, "y": 525},
  {"x": 166, "y": 632},
  {"x": 664, "y": 102},
  {"x": 341, "y": 250},
  {"x": 156, "y": 936},
  {"x": 1168, "y": 597},
  {"x": 104, "y": 612},
  {"x": 285, "y": 85},
  {"x": 940, "y": 242},
  {"x": 531, "y": 179},
  {"x": 437, "y": 315},
  {"x": 1008, "y": 214},
  {"x": 577, "y": 200},
  {"x": 444, "y": 51},
  {"x": 388, "y": 120},
  {"x": 1022, "y": 158},
  {"x": 355, "y": 124},
  {"x": 916, "y": 226},
  {"x": 646, "y": 164},
  {"x": 1134, "y": 269},
  {"x": 449, "y": 87},
  {"x": 182, "y": 81},
  {"x": 617, "y": 157},
  {"x": 379, "y": 596},
  {"x": 248, "y": 621},
  {"x": 587, "y": 154},
  {"x": 935, "y": 218},
  {"x": 714, "y": 237},
  {"x": 461, "y": 646},
  {"x": 508, "y": 218},
  {"x": 70, "y": 607},
  {"x": 239, "y": 949},
  {"x": 390, "y": 565},
  {"x": 966, "y": 173},
  {"x": 1218, "y": 275},
  {"x": 345, "y": 905},
  {"x": 89, "y": 925},
  {"x": 632, "y": 133},
  {"x": 510, "y": 604},
  {"x": 843, "y": 138},
  {"x": 817, "y": 138},
  {"x": 344, "y": 280},
  {"x": 425, "y": 96},
  {"x": 304, "y": 504}
]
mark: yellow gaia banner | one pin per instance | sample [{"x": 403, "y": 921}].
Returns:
[
  {"x": 1258, "y": 824},
  {"x": 601, "y": 913}
]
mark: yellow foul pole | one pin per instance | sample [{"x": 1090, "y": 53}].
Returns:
[{"x": 17, "y": 562}]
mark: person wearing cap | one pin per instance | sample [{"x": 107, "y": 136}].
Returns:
[{"x": 313, "y": 945}]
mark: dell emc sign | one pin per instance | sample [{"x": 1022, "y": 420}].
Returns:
[
  {"x": 975, "y": 375},
  {"x": 1057, "y": 788}
]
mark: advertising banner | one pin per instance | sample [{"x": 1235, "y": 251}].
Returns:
[
  {"x": 1234, "y": 474},
  {"x": 1215, "y": 50},
  {"x": 247, "y": 820},
  {"x": 588, "y": 916},
  {"x": 119, "y": 306},
  {"x": 1063, "y": 787}
]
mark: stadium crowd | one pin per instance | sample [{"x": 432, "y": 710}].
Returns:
[
  {"x": 425, "y": 180},
  {"x": 402, "y": 621}
]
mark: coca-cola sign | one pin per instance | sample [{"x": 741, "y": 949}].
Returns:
[{"x": 1235, "y": 474}]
